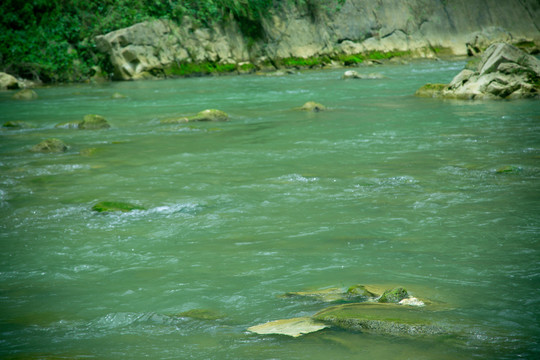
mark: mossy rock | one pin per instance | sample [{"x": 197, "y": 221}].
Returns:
[
  {"x": 394, "y": 295},
  {"x": 388, "y": 319},
  {"x": 113, "y": 206},
  {"x": 360, "y": 291},
  {"x": 201, "y": 314},
  {"x": 313, "y": 107},
  {"x": 26, "y": 94},
  {"x": 210, "y": 115},
  {"x": 50, "y": 146},
  {"x": 94, "y": 122},
  {"x": 431, "y": 90},
  {"x": 17, "y": 125}
]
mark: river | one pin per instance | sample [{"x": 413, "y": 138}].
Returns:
[{"x": 441, "y": 197}]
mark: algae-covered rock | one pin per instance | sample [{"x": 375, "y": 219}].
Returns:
[
  {"x": 17, "y": 125},
  {"x": 508, "y": 169},
  {"x": 50, "y": 146},
  {"x": 291, "y": 327},
  {"x": 431, "y": 90},
  {"x": 390, "y": 319},
  {"x": 360, "y": 291},
  {"x": 94, "y": 122},
  {"x": 112, "y": 206},
  {"x": 394, "y": 295},
  {"x": 210, "y": 115},
  {"x": 26, "y": 94},
  {"x": 201, "y": 314},
  {"x": 313, "y": 107}
]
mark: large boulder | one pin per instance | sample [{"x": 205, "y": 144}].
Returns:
[
  {"x": 504, "y": 72},
  {"x": 50, "y": 146},
  {"x": 8, "y": 82}
]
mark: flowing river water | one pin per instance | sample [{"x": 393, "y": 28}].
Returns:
[{"x": 441, "y": 197}]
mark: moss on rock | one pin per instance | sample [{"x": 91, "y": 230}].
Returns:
[
  {"x": 94, "y": 122},
  {"x": 51, "y": 145},
  {"x": 431, "y": 90},
  {"x": 26, "y": 94},
  {"x": 313, "y": 106},
  {"x": 394, "y": 295}
]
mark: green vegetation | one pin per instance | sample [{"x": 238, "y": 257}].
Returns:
[{"x": 204, "y": 68}]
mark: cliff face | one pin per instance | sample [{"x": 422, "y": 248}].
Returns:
[{"x": 421, "y": 27}]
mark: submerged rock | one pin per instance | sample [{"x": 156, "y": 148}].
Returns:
[
  {"x": 26, "y": 94},
  {"x": 201, "y": 314},
  {"x": 324, "y": 295},
  {"x": 112, "y": 206},
  {"x": 117, "y": 95},
  {"x": 313, "y": 107},
  {"x": 389, "y": 319},
  {"x": 50, "y": 146},
  {"x": 291, "y": 327},
  {"x": 504, "y": 72}
]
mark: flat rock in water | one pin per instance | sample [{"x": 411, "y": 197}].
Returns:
[
  {"x": 390, "y": 319},
  {"x": 291, "y": 327}
]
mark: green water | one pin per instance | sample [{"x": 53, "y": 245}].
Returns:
[{"x": 384, "y": 188}]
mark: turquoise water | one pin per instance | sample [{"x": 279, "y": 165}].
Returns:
[{"x": 384, "y": 188}]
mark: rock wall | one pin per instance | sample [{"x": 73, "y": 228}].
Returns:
[{"x": 421, "y": 27}]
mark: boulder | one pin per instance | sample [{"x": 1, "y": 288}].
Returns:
[
  {"x": 115, "y": 206},
  {"x": 93, "y": 122},
  {"x": 504, "y": 72},
  {"x": 8, "y": 82},
  {"x": 479, "y": 41},
  {"x": 313, "y": 107},
  {"x": 294, "y": 327},
  {"x": 50, "y": 146},
  {"x": 25, "y": 94},
  {"x": 387, "y": 319}
]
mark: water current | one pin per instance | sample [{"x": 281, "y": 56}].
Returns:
[{"x": 384, "y": 188}]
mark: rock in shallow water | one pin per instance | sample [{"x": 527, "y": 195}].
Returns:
[
  {"x": 113, "y": 206},
  {"x": 292, "y": 327},
  {"x": 50, "y": 146}
]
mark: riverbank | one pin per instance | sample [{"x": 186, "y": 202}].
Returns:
[{"x": 144, "y": 41}]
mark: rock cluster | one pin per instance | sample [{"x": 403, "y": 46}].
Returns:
[{"x": 504, "y": 72}]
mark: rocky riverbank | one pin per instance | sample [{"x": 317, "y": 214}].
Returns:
[{"x": 314, "y": 34}]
